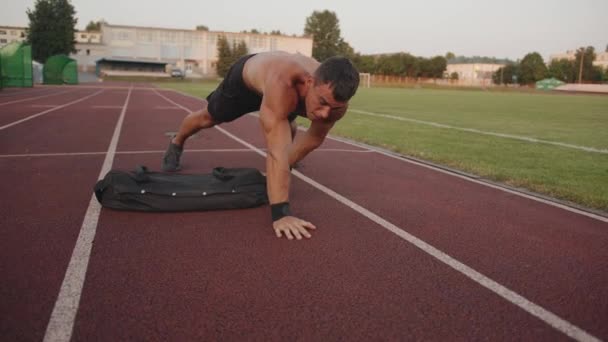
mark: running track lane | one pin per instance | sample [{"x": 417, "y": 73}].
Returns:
[
  {"x": 162, "y": 309},
  {"x": 44, "y": 200},
  {"x": 11, "y": 112}
]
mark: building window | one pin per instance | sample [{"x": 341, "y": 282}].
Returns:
[
  {"x": 121, "y": 35},
  {"x": 88, "y": 52},
  {"x": 83, "y": 36},
  {"x": 146, "y": 36},
  {"x": 168, "y": 36},
  {"x": 3, "y": 41},
  {"x": 3, "y": 32},
  {"x": 13, "y": 33}
]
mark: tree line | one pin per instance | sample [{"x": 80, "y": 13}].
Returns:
[
  {"x": 52, "y": 26},
  {"x": 532, "y": 68}
]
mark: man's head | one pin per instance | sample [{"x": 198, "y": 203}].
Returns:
[
  {"x": 335, "y": 81},
  {"x": 341, "y": 76}
]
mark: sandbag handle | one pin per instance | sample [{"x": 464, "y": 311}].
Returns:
[
  {"x": 220, "y": 173},
  {"x": 141, "y": 174}
]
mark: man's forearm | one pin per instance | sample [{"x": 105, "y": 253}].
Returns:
[
  {"x": 278, "y": 176},
  {"x": 301, "y": 147}
]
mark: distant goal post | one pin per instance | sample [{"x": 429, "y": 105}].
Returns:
[{"x": 365, "y": 79}]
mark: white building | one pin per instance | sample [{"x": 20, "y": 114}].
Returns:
[
  {"x": 190, "y": 50},
  {"x": 88, "y": 44},
  {"x": 88, "y": 49},
  {"x": 473, "y": 73},
  {"x": 10, "y": 34}
]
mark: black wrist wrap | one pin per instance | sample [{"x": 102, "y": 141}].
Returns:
[{"x": 279, "y": 210}]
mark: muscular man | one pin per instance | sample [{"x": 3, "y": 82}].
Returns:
[{"x": 281, "y": 86}]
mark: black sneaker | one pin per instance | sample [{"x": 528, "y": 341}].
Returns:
[{"x": 171, "y": 158}]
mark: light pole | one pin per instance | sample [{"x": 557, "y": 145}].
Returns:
[{"x": 580, "y": 71}]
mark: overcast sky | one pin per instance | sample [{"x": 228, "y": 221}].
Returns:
[{"x": 424, "y": 28}]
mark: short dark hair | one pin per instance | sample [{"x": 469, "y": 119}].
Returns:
[{"x": 341, "y": 74}]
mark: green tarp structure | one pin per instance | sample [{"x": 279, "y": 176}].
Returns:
[
  {"x": 549, "y": 84},
  {"x": 60, "y": 69},
  {"x": 16, "y": 65}
]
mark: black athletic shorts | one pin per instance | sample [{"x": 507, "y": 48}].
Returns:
[{"x": 232, "y": 99}]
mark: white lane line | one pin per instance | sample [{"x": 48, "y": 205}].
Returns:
[
  {"x": 104, "y": 87},
  {"x": 61, "y": 323},
  {"x": 451, "y": 173},
  {"x": 535, "y": 310},
  {"x": 472, "y": 130},
  {"x": 43, "y": 106},
  {"x": 28, "y": 155},
  {"x": 22, "y": 92},
  {"x": 216, "y": 150},
  {"x": 34, "y": 98},
  {"x": 106, "y": 107},
  {"x": 48, "y": 111},
  {"x": 167, "y": 107}
]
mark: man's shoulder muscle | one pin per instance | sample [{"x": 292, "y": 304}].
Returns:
[{"x": 280, "y": 96}]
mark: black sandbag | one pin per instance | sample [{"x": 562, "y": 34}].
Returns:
[{"x": 142, "y": 190}]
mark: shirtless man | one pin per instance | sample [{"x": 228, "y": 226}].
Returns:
[{"x": 281, "y": 86}]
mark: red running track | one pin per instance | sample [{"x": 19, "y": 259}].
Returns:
[{"x": 223, "y": 275}]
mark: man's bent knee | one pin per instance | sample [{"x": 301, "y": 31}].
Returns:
[{"x": 204, "y": 119}]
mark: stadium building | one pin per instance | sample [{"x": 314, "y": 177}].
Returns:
[
  {"x": 133, "y": 49},
  {"x": 127, "y": 50}
]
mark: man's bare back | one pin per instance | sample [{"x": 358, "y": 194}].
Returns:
[{"x": 290, "y": 66}]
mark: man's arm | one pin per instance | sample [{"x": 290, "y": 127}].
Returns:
[
  {"x": 278, "y": 137},
  {"x": 305, "y": 143},
  {"x": 277, "y": 131}
]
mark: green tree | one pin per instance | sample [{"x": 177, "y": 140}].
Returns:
[
  {"x": 346, "y": 50},
  {"x": 563, "y": 70},
  {"x": 505, "y": 74},
  {"x": 276, "y": 32},
  {"x": 224, "y": 56},
  {"x": 401, "y": 64},
  {"x": 454, "y": 76},
  {"x": 590, "y": 73},
  {"x": 202, "y": 28},
  {"x": 390, "y": 64},
  {"x": 93, "y": 26},
  {"x": 324, "y": 27},
  {"x": 450, "y": 55},
  {"x": 437, "y": 66},
  {"x": 532, "y": 68},
  {"x": 365, "y": 63},
  {"x": 51, "y": 28},
  {"x": 597, "y": 75},
  {"x": 239, "y": 50},
  {"x": 411, "y": 64},
  {"x": 228, "y": 55}
]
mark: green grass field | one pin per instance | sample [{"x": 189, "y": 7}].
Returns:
[{"x": 461, "y": 128}]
